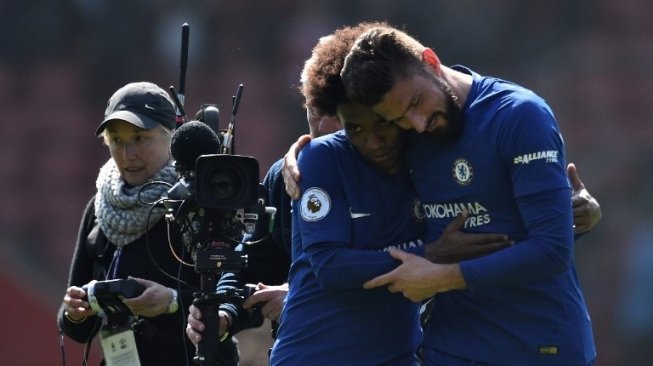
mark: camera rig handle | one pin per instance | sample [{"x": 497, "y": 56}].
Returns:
[{"x": 208, "y": 302}]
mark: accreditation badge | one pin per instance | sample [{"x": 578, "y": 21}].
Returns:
[{"x": 119, "y": 348}]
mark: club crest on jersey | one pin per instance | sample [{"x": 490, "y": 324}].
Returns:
[
  {"x": 462, "y": 171},
  {"x": 418, "y": 211},
  {"x": 315, "y": 204}
]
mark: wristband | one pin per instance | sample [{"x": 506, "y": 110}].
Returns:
[
  {"x": 65, "y": 313},
  {"x": 224, "y": 336},
  {"x": 174, "y": 303},
  {"x": 227, "y": 320}
]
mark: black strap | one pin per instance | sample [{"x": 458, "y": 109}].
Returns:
[{"x": 96, "y": 247}]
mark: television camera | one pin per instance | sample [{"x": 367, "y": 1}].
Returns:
[{"x": 216, "y": 203}]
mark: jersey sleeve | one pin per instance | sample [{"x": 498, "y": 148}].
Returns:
[
  {"x": 325, "y": 226},
  {"x": 530, "y": 143}
]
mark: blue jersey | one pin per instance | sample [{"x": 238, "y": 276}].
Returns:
[
  {"x": 523, "y": 305},
  {"x": 347, "y": 218}
]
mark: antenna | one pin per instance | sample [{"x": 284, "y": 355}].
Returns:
[
  {"x": 179, "y": 105},
  {"x": 228, "y": 136},
  {"x": 180, "y": 97}
]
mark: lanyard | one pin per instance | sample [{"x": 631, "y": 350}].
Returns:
[{"x": 113, "y": 268}]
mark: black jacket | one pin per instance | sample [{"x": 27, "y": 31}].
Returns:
[
  {"x": 269, "y": 259},
  {"x": 160, "y": 340}
]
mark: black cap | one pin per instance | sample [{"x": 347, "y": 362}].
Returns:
[{"x": 142, "y": 104}]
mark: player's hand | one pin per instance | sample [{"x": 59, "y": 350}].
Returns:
[
  {"x": 454, "y": 246},
  {"x": 289, "y": 168},
  {"x": 587, "y": 211},
  {"x": 417, "y": 278}
]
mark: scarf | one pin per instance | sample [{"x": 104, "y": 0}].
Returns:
[{"x": 121, "y": 215}]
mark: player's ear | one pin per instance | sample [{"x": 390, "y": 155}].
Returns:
[{"x": 430, "y": 58}]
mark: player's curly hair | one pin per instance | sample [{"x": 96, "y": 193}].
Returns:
[{"x": 321, "y": 84}]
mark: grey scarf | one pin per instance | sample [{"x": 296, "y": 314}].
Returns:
[{"x": 122, "y": 217}]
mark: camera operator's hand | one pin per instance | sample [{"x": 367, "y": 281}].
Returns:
[
  {"x": 271, "y": 297},
  {"x": 77, "y": 308},
  {"x": 195, "y": 326},
  {"x": 152, "y": 302}
]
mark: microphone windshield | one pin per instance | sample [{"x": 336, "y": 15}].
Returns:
[{"x": 191, "y": 140}]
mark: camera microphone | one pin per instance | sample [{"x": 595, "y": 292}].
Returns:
[{"x": 190, "y": 141}]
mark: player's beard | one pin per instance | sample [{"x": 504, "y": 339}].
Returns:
[{"x": 453, "y": 116}]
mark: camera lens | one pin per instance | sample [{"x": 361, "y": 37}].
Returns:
[
  {"x": 224, "y": 184},
  {"x": 226, "y": 181}
]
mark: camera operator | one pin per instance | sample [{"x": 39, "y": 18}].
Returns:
[
  {"x": 268, "y": 264},
  {"x": 122, "y": 236},
  {"x": 268, "y": 261}
]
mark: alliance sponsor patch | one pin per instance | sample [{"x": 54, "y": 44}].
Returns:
[{"x": 549, "y": 156}]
